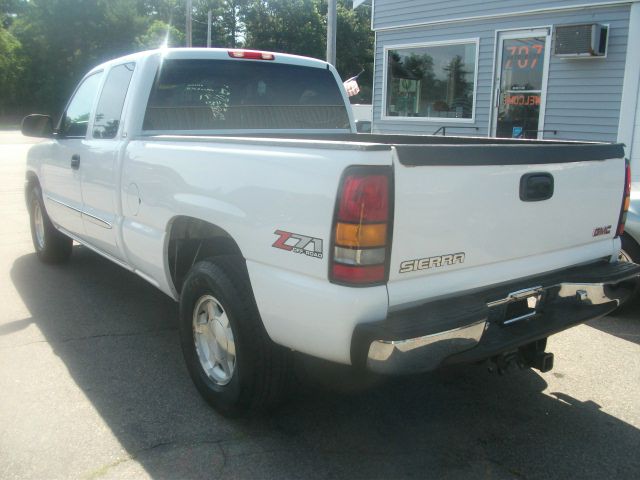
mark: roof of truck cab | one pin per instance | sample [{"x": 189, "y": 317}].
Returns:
[{"x": 211, "y": 54}]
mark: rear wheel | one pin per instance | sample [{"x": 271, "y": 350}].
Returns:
[
  {"x": 630, "y": 251},
  {"x": 231, "y": 359},
  {"x": 51, "y": 246}
]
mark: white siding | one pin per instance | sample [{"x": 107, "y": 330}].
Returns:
[
  {"x": 394, "y": 13},
  {"x": 583, "y": 96}
]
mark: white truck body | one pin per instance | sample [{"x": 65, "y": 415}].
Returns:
[{"x": 458, "y": 224}]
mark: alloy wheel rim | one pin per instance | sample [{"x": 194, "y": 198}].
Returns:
[
  {"x": 213, "y": 338},
  {"x": 38, "y": 223}
]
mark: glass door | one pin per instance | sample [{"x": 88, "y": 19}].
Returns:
[{"x": 521, "y": 84}]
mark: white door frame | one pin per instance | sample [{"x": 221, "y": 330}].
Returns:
[{"x": 502, "y": 35}]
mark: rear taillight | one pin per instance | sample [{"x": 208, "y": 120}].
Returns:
[
  {"x": 251, "y": 55},
  {"x": 361, "y": 242},
  {"x": 626, "y": 199}
]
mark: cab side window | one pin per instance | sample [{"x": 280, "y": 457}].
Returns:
[
  {"x": 109, "y": 110},
  {"x": 76, "y": 119}
]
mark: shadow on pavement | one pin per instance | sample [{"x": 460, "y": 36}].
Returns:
[
  {"x": 625, "y": 325},
  {"x": 117, "y": 336}
]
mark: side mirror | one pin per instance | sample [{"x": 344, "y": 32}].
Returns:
[
  {"x": 363, "y": 126},
  {"x": 37, "y": 125}
]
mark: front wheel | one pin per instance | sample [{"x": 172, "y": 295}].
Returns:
[
  {"x": 230, "y": 357},
  {"x": 51, "y": 246}
]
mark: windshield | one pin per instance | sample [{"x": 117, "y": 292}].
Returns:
[{"x": 241, "y": 94}]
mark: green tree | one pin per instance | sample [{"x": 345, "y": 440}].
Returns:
[
  {"x": 290, "y": 26},
  {"x": 171, "y": 12},
  {"x": 62, "y": 39},
  {"x": 227, "y": 25},
  {"x": 300, "y": 27},
  {"x": 160, "y": 34},
  {"x": 9, "y": 10},
  {"x": 46, "y": 46},
  {"x": 11, "y": 69},
  {"x": 355, "y": 44}
]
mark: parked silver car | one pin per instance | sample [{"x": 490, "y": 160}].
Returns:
[
  {"x": 631, "y": 238},
  {"x": 630, "y": 251}
]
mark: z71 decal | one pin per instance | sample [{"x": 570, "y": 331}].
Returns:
[
  {"x": 296, "y": 243},
  {"x": 431, "y": 262}
]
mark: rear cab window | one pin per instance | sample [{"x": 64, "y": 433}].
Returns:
[{"x": 192, "y": 95}]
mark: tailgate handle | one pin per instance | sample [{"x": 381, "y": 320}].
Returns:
[{"x": 535, "y": 187}]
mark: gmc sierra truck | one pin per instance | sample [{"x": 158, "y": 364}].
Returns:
[{"x": 235, "y": 182}]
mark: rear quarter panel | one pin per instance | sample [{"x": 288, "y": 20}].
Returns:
[{"x": 251, "y": 191}]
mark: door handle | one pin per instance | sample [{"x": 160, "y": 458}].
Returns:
[{"x": 75, "y": 161}]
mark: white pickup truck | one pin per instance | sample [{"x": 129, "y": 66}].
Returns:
[{"x": 234, "y": 182}]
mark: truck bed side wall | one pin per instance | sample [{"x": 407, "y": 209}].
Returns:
[{"x": 250, "y": 192}]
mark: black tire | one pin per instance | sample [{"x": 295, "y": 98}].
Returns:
[
  {"x": 50, "y": 245},
  {"x": 631, "y": 248},
  {"x": 262, "y": 371},
  {"x": 630, "y": 251}
]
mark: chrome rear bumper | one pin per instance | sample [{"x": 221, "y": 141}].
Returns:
[
  {"x": 497, "y": 320},
  {"x": 422, "y": 353}
]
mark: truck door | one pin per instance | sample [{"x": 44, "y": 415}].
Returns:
[
  {"x": 61, "y": 171},
  {"x": 101, "y": 164}
]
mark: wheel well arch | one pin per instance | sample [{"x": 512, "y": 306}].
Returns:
[
  {"x": 189, "y": 240},
  {"x": 31, "y": 180},
  {"x": 31, "y": 177}
]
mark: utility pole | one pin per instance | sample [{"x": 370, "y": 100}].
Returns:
[
  {"x": 332, "y": 20},
  {"x": 209, "y": 17},
  {"x": 188, "y": 29}
]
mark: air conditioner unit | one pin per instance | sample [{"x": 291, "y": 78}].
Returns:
[{"x": 584, "y": 40}]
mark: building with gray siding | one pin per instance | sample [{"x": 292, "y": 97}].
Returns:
[{"x": 512, "y": 68}]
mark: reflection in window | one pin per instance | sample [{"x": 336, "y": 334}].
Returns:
[
  {"x": 240, "y": 94},
  {"x": 76, "y": 118},
  {"x": 432, "y": 81},
  {"x": 111, "y": 101}
]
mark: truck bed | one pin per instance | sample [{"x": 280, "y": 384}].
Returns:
[{"x": 461, "y": 196}]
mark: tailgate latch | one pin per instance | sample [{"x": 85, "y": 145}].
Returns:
[{"x": 536, "y": 187}]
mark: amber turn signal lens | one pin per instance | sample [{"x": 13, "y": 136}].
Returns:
[{"x": 354, "y": 235}]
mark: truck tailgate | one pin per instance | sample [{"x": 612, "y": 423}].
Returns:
[{"x": 462, "y": 221}]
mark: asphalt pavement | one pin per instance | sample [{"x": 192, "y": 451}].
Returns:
[{"x": 92, "y": 385}]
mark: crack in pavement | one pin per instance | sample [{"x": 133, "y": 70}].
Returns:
[
  {"x": 101, "y": 471},
  {"x": 90, "y": 337}
]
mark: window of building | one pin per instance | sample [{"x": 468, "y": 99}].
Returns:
[
  {"x": 434, "y": 82},
  {"x": 111, "y": 101}
]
